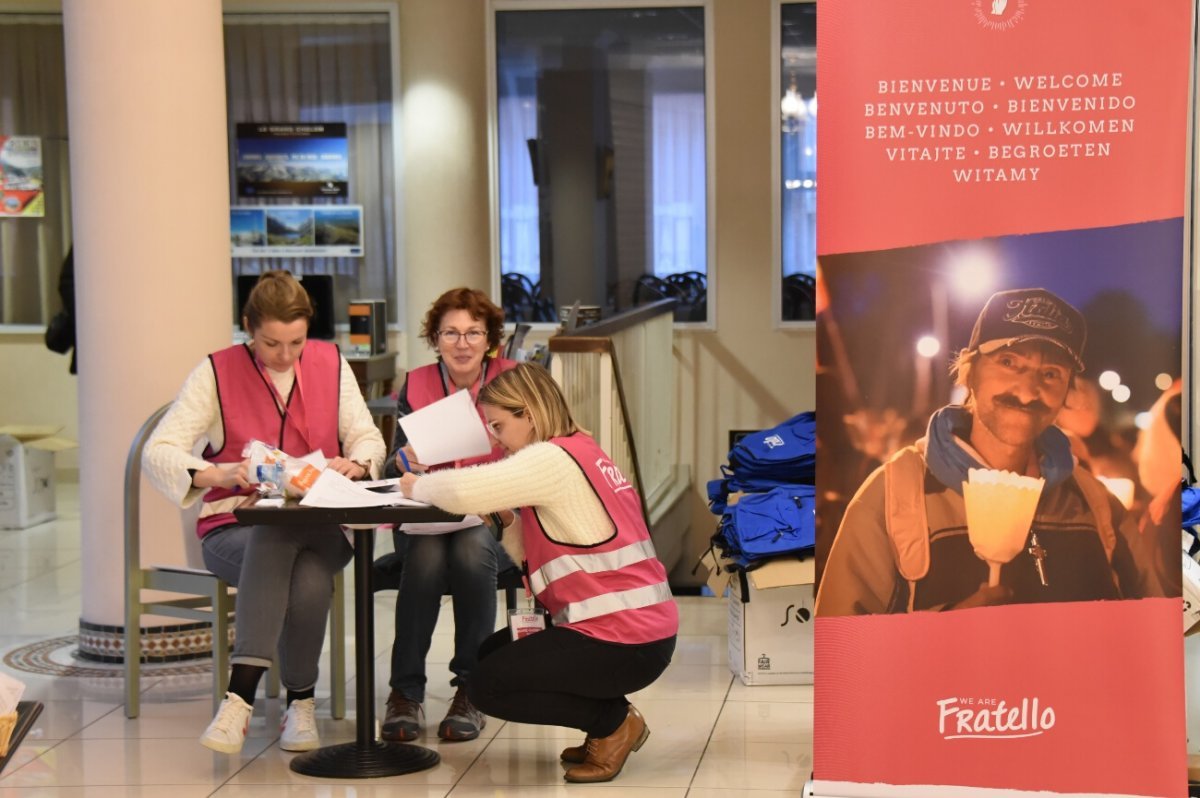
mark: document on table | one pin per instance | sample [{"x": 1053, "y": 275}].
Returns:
[
  {"x": 447, "y": 430},
  {"x": 441, "y": 527},
  {"x": 334, "y": 490}
]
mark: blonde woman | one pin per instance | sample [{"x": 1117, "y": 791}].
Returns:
[{"x": 591, "y": 566}]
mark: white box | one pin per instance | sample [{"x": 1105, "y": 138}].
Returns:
[
  {"x": 771, "y": 634},
  {"x": 1191, "y": 590},
  {"x": 27, "y": 475}
]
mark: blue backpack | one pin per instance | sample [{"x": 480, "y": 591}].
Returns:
[
  {"x": 1191, "y": 505},
  {"x": 781, "y": 456},
  {"x": 762, "y": 525}
]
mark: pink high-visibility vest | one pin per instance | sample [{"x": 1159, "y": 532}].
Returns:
[
  {"x": 615, "y": 590},
  {"x": 247, "y": 399}
]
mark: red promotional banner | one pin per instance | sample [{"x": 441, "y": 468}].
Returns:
[
  {"x": 1020, "y": 697},
  {"x": 999, "y": 383},
  {"x": 942, "y": 120}
]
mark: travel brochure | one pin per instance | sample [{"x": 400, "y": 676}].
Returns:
[
  {"x": 295, "y": 159},
  {"x": 21, "y": 177},
  {"x": 296, "y": 231}
]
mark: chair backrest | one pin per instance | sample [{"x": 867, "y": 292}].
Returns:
[
  {"x": 191, "y": 541},
  {"x": 133, "y": 495}
]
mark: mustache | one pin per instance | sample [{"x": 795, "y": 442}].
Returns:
[{"x": 1010, "y": 401}]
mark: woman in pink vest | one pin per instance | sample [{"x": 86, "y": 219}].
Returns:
[
  {"x": 463, "y": 326},
  {"x": 299, "y": 396},
  {"x": 590, "y": 564}
]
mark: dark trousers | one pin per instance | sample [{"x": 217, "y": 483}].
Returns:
[{"x": 560, "y": 677}]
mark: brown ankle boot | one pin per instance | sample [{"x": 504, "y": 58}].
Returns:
[
  {"x": 606, "y": 755},
  {"x": 576, "y": 754}
]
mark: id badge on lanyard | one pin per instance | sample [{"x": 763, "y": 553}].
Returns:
[{"x": 527, "y": 621}]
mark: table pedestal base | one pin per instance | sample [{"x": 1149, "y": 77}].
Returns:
[{"x": 364, "y": 761}]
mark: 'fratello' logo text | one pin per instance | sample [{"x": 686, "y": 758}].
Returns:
[{"x": 992, "y": 718}]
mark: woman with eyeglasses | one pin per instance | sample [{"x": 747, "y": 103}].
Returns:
[
  {"x": 463, "y": 326},
  {"x": 590, "y": 563}
]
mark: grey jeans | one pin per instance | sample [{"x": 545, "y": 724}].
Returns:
[{"x": 284, "y": 576}]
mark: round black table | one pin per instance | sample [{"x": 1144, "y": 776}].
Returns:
[{"x": 366, "y": 757}]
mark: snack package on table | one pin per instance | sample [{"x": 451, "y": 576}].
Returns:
[{"x": 276, "y": 473}]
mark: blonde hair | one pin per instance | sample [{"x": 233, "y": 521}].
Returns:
[
  {"x": 277, "y": 295},
  {"x": 528, "y": 389}
]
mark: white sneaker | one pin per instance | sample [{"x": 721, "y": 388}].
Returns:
[
  {"x": 298, "y": 731},
  {"x": 227, "y": 731}
]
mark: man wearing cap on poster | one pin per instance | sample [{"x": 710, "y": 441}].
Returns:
[{"x": 904, "y": 542}]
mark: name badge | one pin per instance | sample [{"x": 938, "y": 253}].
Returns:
[{"x": 522, "y": 623}]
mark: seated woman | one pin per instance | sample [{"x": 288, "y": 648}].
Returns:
[
  {"x": 591, "y": 565},
  {"x": 462, "y": 326},
  {"x": 299, "y": 396}
]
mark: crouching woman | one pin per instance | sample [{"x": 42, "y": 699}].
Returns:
[{"x": 591, "y": 566}]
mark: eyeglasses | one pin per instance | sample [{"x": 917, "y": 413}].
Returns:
[{"x": 451, "y": 336}]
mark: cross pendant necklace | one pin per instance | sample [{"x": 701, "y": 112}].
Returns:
[{"x": 1039, "y": 557}]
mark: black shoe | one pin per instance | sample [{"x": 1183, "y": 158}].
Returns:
[
  {"x": 403, "y": 720},
  {"x": 463, "y": 721},
  {"x": 385, "y": 572}
]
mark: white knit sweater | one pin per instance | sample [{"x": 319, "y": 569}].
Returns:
[
  {"x": 195, "y": 419},
  {"x": 542, "y": 476}
]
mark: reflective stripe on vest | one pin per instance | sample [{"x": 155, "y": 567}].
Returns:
[
  {"x": 590, "y": 563},
  {"x": 608, "y": 603}
]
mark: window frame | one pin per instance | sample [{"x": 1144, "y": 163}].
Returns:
[
  {"x": 399, "y": 264},
  {"x": 493, "y": 140},
  {"x": 777, "y": 320},
  {"x": 9, "y": 332},
  {"x": 366, "y": 6}
]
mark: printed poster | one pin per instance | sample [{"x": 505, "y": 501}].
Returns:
[
  {"x": 292, "y": 160},
  {"x": 1000, "y": 239},
  {"x": 21, "y": 176},
  {"x": 306, "y": 231}
]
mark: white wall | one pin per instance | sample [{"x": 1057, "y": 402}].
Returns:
[{"x": 38, "y": 390}]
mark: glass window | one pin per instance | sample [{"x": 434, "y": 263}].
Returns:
[
  {"x": 602, "y": 160},
  {"x": 798, "y": 160},
  {"x": 35, "y": 226},
  {"x": 323, "y": 68},
  {"x": 279, "y": 68}
]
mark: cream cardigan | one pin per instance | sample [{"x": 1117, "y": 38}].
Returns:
[
  {"x": 195, "y": 418},
  {"x": 542, "y": 476}
]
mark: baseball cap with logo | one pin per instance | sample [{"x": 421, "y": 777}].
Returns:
[{"x": 1030, "y": 314}]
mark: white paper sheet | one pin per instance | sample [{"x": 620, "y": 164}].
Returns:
[
  {"x": 392, "y": 482},
  {"x": 334, "y": 490},
  {"x": 447, "y": 430},
  {"x": 441, "y": 527}
]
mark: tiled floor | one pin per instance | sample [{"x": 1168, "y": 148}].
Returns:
[{"x": 711, "y": 737}]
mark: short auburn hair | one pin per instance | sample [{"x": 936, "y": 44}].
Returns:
[
  {"x": 277, "y": 295},
  {"x": 475, "y": 303}
]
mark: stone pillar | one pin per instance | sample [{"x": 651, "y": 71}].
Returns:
[{"x": 150, "y": 192}]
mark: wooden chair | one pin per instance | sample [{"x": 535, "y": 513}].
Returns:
[{"x": 204, "y": 597}]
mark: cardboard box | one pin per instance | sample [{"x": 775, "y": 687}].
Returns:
[
  {"x": 1191, "y": 590},
  {"x": 771, "y": 628},
  {"x": 27, "y": 474}
]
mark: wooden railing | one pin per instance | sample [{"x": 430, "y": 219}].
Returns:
[{"x": 618, "y": 376}]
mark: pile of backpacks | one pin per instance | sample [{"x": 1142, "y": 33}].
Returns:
[{"x": 774, "y": 471}]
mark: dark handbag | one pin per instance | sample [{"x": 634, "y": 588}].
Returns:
[{"x": 60, "y": 333}]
